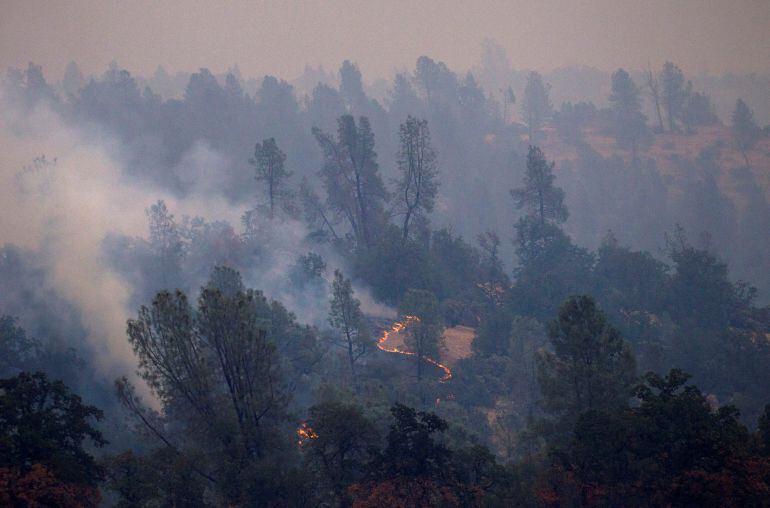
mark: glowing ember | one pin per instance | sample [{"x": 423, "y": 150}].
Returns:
[
  {"x": 399, "y": 327},
  {"x": 305, "y": 433}
]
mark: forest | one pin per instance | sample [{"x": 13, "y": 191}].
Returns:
[{"x": 491, "y": 287}]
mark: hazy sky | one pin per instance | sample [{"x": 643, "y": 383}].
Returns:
[{"x": 281, "y": 37}]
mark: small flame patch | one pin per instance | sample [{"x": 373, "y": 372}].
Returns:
[{"x": 305, "y": 434}]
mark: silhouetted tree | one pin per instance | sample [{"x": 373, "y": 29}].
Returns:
[
  {"x": 413, "y": 469},
  {"x": 345, "y": 315},
  {"x": 351, "y": 177},
  {"x": 590, "y": 368},
  {"x": 746, "y": 133},
  {"x": 700, "y": 291},
  {"x": 343, "y": 445},
  {"x": 509, "y": 99},
  {"x": 158, "y": 478},
  {"x": 417, "y": 187},
  {"x": 673, "y": 93},
  {"x": 309, "y": 268},
  {"x": 535, "y": 104},
  {"x": 269, "y": 163},
  {"x": 671, "y": 449},
  {"x": 539, "y": 197},
  {"x": 351, "y": 87},
  {"x": 317, "y": 217},
  {"x": 698, "y": 110},
  {"x": 438, "y": 83},
  {"x": 403, "y": 98},
  {"x": 325, "y": 106},
  {"x": 423, "y": 334},
  {"x": 43, "y": 434},
  {"x": 411, "y": 449},
  {"x": 653, "y": 88},
  {"x": 166, "y": 243},
  {"x": 216, "y": 372},
  {"x": 22, "y": 353},
  {"x": 630, "y": 124}
]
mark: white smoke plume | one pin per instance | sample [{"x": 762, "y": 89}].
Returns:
[{"x": 66, "y": 207}]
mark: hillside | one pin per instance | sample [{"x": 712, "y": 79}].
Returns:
[{"x": 668, "y": 148}]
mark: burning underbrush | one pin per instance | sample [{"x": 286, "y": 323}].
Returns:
[{"x": 455, "y": 344}]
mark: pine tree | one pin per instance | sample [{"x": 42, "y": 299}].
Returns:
[
  {"x": 346, "y": 316},
  {"x": 269, "y": 163},
  {"x": 539, "y": 197},
  {"x": 674, "y": 93},
  {"x": 630, "y": 124},
  {"x": 351, "y": 178},
  {"x": 416, "y": 190},
  {"x": 166, "y": 243},
  {"x": 590, "y": 367},
  {"x": 536, "y": 105}
]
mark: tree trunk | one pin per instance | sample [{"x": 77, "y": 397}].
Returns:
[
  {"x": 352, "y": 360},
  {"x": 406, "y": 224},
  {"x": 271, "y": 191},
  {"x": 670, "y": 117},
  {"x": 419, "y": 366},
  {"x": 421, "y": 392},
  {"x": 652, "y": 83},
  {"x": 660, "y": 116},
  {"x": 361, "y": 206},
  {"x": 542, "y": 206}
]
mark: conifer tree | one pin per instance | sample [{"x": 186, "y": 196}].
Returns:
[
  {"x": 535, "y": 105},
  {"x": 346, "y": 316},
  {"x": 269, "y": 162},
  {"x": 590, "y": 366},
  {"x": 416, "y": 190}
]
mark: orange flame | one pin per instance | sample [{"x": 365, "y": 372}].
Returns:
[
  {"x": 400, "y": 326},
  {"x": 305, "y": 433}
]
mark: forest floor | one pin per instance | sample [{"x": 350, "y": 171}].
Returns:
[{"x": 457, "y": 344}]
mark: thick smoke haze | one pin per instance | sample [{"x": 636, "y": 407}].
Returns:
[
  {"x": 64, "y": 193},
  {"x": 338, "y": 253},
  {"x": 281, "y": 38},
  {"x": 65, "y": 208}
]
